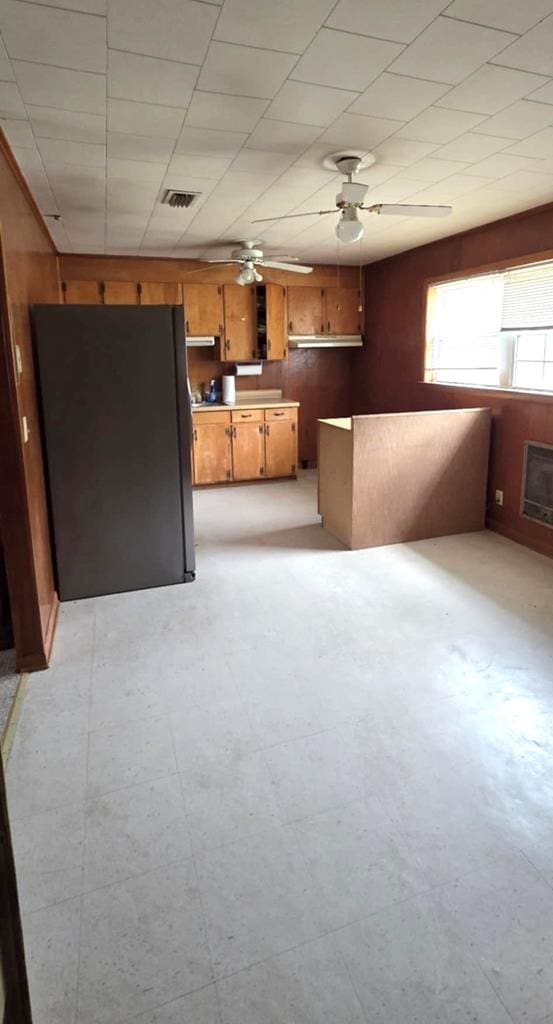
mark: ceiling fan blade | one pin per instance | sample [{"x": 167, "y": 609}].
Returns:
[
  {"x": 294, "y": 267},
  {"x": 205, "y": 269},
  {"x": 405, "y": 210},
  {"x": 221, "y": 261},
  {"x": 288, "y": 216}
]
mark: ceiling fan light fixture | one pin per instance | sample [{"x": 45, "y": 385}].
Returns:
[
  {"x": 349, "y": 228},
  {"x": 246, "y": 274}
]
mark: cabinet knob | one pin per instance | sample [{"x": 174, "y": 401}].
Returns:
[
  {"x": 290, "y": 326},
  {"x": 267, "y": 429},
  {"x": 195, "y": 434},
  {"x": 187, "y": 325},
  {"x": 322, "y": 328}
]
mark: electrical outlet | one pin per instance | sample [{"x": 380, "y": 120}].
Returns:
[{"x": 499, "y": 497}]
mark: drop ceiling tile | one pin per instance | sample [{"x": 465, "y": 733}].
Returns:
[
  {"x": 209, "y": 141},
  {"x": 300, "y": 103},
  {"x": 450, "y": 189},
  {"x": 397, "y": 97},
  {"x": 11, "y": 104},
  {"x": 498, "y": 165},
  {"x": 264, "y": 161},
  {"x": 76, "y": 126},
  {"x": 217, "y": 214},
  {"x": 75, "y": 176},
  {"x": 471, "y": 147},
  {"x": 61, "y": 151},
  {"x": 139, "y": 147},
  {"x": 282, "y": 137},
  {"x": 81, "y": 198},
  {"x": 439, "y": 125},
  {"x": 149, "y": 79},
  {"x": 243, "y": 185},
  {"x": 18, "y": 133},
  {"x": 208, "y": 167},
  {"x": 186, "y": 183},
  {"x": 286, "y": 25},
  {"x": 51, "y": 36},
  {"x": 448, "y": 51},
  {"x": 532, "y": 52},
  {"x": 518, "y": 121},
  {"x": 491, "y": 89},
  {"x": 526, "y": 183},
  {"x": 360, "y": 132},
  {"x": 43, "y": 84},
  {"x": 400, "y": 20},
  {"x": 134, "y": 170},
  {"x": 6, "y": 73},
  {"x": 130, "y": 199},
  {"x": 144, "y": 118},
  {"x": 243, "y": 71},
  {"x": 433, "y": 169},
  {"x": 539, "y": 145},
  {"x": 344, "y": 60},
  {"x": 216, "y": 110},
  {"x": 544, "y": 94},
  {"x": 511, "y": 15},
  {"x": 83, "y": 6},
  {"x": 276, "y": 202},
  {"x": 180, "y": 31},
  {"x": 403, "y": 152}
]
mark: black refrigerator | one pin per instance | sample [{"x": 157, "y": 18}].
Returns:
[{"x": 117, "y": 427}]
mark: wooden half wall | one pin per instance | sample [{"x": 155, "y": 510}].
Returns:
[{"x": 30, "y": 275}]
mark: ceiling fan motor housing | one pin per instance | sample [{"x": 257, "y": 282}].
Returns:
[
  {"x": 247, "y": 254},
  {"x": 352, "y": 194}
]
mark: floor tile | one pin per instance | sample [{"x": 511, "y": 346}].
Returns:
[
  {"x": 134, "y": 830},
  {"x": 121, "y": 755},
  {"x": 142, "y": 944},
  {"x": 48, "y": 849},
  {"x": 314, "y": 774},
  {"x": 197, "y": 1008},
  {"x": 51, "y": 940},
  {"x": 125, "y": 689},
  {"x": 259, "y": 899},
  {"x": 309, "y": 984},
  {"x": 203, "y": 734},
  {"x": 45, "y": 771}
]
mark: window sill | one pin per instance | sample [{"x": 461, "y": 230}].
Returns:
[{"x": 514, "y": 393}]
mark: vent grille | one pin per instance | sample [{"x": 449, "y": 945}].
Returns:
[
  {"x": 537, "y": 501},
  {"x": 179, "y": 199}
]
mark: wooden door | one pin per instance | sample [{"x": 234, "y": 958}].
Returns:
[
  {"x": 306, "y": 310},
  {"x": 277, "y": 335},
  {"x": 342, "y": 311},
  {"x": 164, "y": 293},
  {"x": 85, "y": 293},
  {"x": 240, "y": 322},
  {"x": 212, "y": 453},
  {"x": 203, "y": 310},
  {"x": 120, "y": 293},
  {"x": 248, "y": 451},
  {"x": 280, "y": 448}
]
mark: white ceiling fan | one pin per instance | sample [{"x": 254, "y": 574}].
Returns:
[
  {"x": 350, "y": 200},
  {"x": 250, "y": 256}
]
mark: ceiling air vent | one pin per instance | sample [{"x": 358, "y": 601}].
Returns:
[{"x": 181, "y": 199}]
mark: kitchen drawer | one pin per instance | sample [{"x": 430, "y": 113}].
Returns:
[
  {"x": 247, "y": 415},
  {"x": 210, "y": 416},
  {"x": 288, "y": 413}
]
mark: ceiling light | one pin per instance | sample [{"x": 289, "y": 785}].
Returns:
[
  {"x": 258, "y": 277},
  {"x": 245, "y": 276},
  {"x": 349, "y": 228}
]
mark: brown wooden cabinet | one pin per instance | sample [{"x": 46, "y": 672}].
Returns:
[
  {"x": 281, "y": 443},
  {"x": 275, "y": 312},
  {"x": 160, "y": 293},
  {"x": 85, "y": 293},
  {"x": 240, "y": 322},
  {"x": 342, "y": 311},
  {"x": 120, "y": 293},
  {"x": 203, "y": 309},
  {"x": 306, "y": 310},
  {"x": 244, "y": 444},
  {"x": 248, "y": 451},
  {"x": 211, "y": 448}
]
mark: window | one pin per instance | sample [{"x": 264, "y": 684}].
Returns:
[{"x": 492, "y": 330}]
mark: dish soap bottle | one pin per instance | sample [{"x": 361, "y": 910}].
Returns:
[{"x": 212, "y": 394}]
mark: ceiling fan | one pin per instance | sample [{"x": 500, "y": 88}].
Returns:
[
  {"x": 250, "y": 256},
  {"x": 350, "y": 200}
]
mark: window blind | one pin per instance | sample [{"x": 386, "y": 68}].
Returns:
[{"x": 528, "y": 298}]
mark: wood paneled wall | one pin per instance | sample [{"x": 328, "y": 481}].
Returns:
[
  {"x": 30, "y": 276},
  {"x": 388, "y": 371},
  {"x": 320, "y": 380}
]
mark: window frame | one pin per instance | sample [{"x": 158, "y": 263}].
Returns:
[{"x": 478, "y": 271}]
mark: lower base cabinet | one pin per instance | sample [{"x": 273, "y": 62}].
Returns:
[{"x": 245, "y": 444}]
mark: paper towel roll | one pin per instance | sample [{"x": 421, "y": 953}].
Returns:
[{"x": 229, "y": 389}]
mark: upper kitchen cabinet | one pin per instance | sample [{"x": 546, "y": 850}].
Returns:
[
  {"x": 203, "y": 310},
  {"x": 240, "y": 323},
  {"x": 81, "y": 293},
  {"x": 156, "y": 293},
  {"x": 272, "y": 337},
  {"x": 306, "y": 310},
  {"x": 342, "y": 311},
  {"x": 120, "y": 293}
]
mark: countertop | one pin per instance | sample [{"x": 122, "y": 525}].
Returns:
[{"x": 281, "y": 403}]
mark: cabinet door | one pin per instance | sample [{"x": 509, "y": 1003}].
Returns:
[
  {"x": 155, "y": 293},
  {"x": 120, "y": 293},
  {"x": 280, "y": 448},
  {"x": 306, "y": 310},
  {"x": 203, "y": 309},
  {"x": 248, "y": 453},
  {"x": 240, "y": 322},
  {"x": 277, "y": 336},
  {"x": 212, "y": 454},
  {"x": 342, "y": 311},
  {"x": 85, "y": 293}
]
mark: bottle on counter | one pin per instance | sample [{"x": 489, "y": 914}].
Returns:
[{"x": 212, "y": 393}]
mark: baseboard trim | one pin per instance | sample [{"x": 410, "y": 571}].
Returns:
[{"x": 519, "y": 538}]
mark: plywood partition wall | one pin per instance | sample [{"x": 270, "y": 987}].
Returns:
[{"x": 403, "y": 477}]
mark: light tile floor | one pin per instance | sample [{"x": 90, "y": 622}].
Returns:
[{"x": 314, "y": 787}]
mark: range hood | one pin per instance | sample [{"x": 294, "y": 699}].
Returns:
[
  {"x": 325, "y": 341},
  {"x": 200, "y": 340}
]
